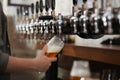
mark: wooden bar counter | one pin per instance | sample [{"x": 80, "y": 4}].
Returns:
[
  {"x": 102, "y": 53},
  {"x": 95, "y": 52}
]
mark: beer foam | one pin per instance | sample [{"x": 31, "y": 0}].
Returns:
[
  {"x": 55, "y": 45},
  {"x": 54, "y": 49}
]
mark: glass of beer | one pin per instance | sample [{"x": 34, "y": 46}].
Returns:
[{"x": 55, "y": 45}]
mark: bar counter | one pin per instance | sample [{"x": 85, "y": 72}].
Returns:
[
  {"x": 95, "y": 52},
  {"x": 102, "y": 53}
]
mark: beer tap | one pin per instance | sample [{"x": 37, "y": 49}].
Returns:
[
  {"x": 41, "y": 31},
  {"x": 32, "y": 22},
  {"x": 75, "y": 7},
  {"x": 84, "y": 18},
  {"x": 107, "y": 19},
  {"x": 27, "y": 22},
  {"x": 74, "y": 19},
  {"x": 74, "y": 24},
  {"x": 18, "y": 14},
  {"x": 41, "y": 7},
  {"x": 47, "y": 6},
  {"x": 32, "y": 10},
  {"x": 59, "y": 24},
  {"x": 75, "y": 2},
  {"x": 37, "y": 20},
  {"x": 37, "y": 9},
  {"x": 46, "y": 31},
  {"x": 53, "y": 8},
  {"x": 84, "y": 5},
  {"x": 23, "y": 25},
  {"x": 36, "y": 23},
  {"x": 20, "y": 26},
  {"x": 115, "y": 22},
  {"x": 18, "y": 20},
  {"x": 52, "y": 28},
  {"x": 95, "y": 18}
]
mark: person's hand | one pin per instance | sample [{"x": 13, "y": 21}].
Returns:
[{"x": 42, "y": 62}]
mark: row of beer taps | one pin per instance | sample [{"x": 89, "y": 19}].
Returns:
[
  {"x": 96, "y": 20},
  {"x": 43, "y": 26},
  {"x": 39, "y": 24}
]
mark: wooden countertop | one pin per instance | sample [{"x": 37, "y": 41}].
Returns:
[
  {"x": 96, "y": 52},
  {"x": 102, "y": 53}
]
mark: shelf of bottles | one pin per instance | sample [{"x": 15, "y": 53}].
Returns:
[{"x": 88, "y": 23}]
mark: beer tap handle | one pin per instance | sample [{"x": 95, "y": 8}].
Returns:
[
  {"x": 32, "y": 8},
  {"x": 75, "y": 2},
  {"x": 84, "y": 6},
  {"x": 21, "y": 11},
  {"x": 53, "y": 8},
  {"x": 84, "y": 1},
  {"x": 18, "y": 12},
  {"x": 95, "y": 4},
  {"x": 47, "y": 6},
  {"x": 41, "y": 6},
  {"x": 75, "y": 7},
  {"x": 26, "y": 11},
  {"x": 53, "y": 4},
  {"x": 37, "y": 7}
]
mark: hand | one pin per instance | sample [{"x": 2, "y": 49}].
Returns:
[{"x": 42, "y": 62}]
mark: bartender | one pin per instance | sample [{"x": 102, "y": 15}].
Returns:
[{"x": 9, "y": 63}]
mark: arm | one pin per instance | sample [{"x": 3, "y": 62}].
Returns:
[
  {"x": 40, "y": 63},
  {"x": 3, "y": 61}
]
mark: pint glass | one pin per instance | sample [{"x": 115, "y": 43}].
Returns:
[{"x": 55, "y": 45}]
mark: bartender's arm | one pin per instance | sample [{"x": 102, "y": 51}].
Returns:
[{"x": 40, "y": 63}]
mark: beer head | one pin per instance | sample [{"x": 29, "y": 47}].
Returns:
[
  {"x": 55, "y": 45},
  {"x": 54, "y": 49}
]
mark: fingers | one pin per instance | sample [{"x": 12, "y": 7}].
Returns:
[{"x": 53, "y": 59}]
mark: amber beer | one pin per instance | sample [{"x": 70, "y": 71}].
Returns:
[
  {"x": 53, "y": 51},
  {"x": 55, "y": 45},
  {"x": 52, "y": 54},
  {"x": 75, "y": 78}
]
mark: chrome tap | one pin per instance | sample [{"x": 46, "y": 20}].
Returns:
[
  {"x": 59, "y": 24},
  {"x": 84, "y": 20},
  {"x": 96, "y": 17},
  {"x": 107, "y": 19},
  {"x": 74, "y": 23}
]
